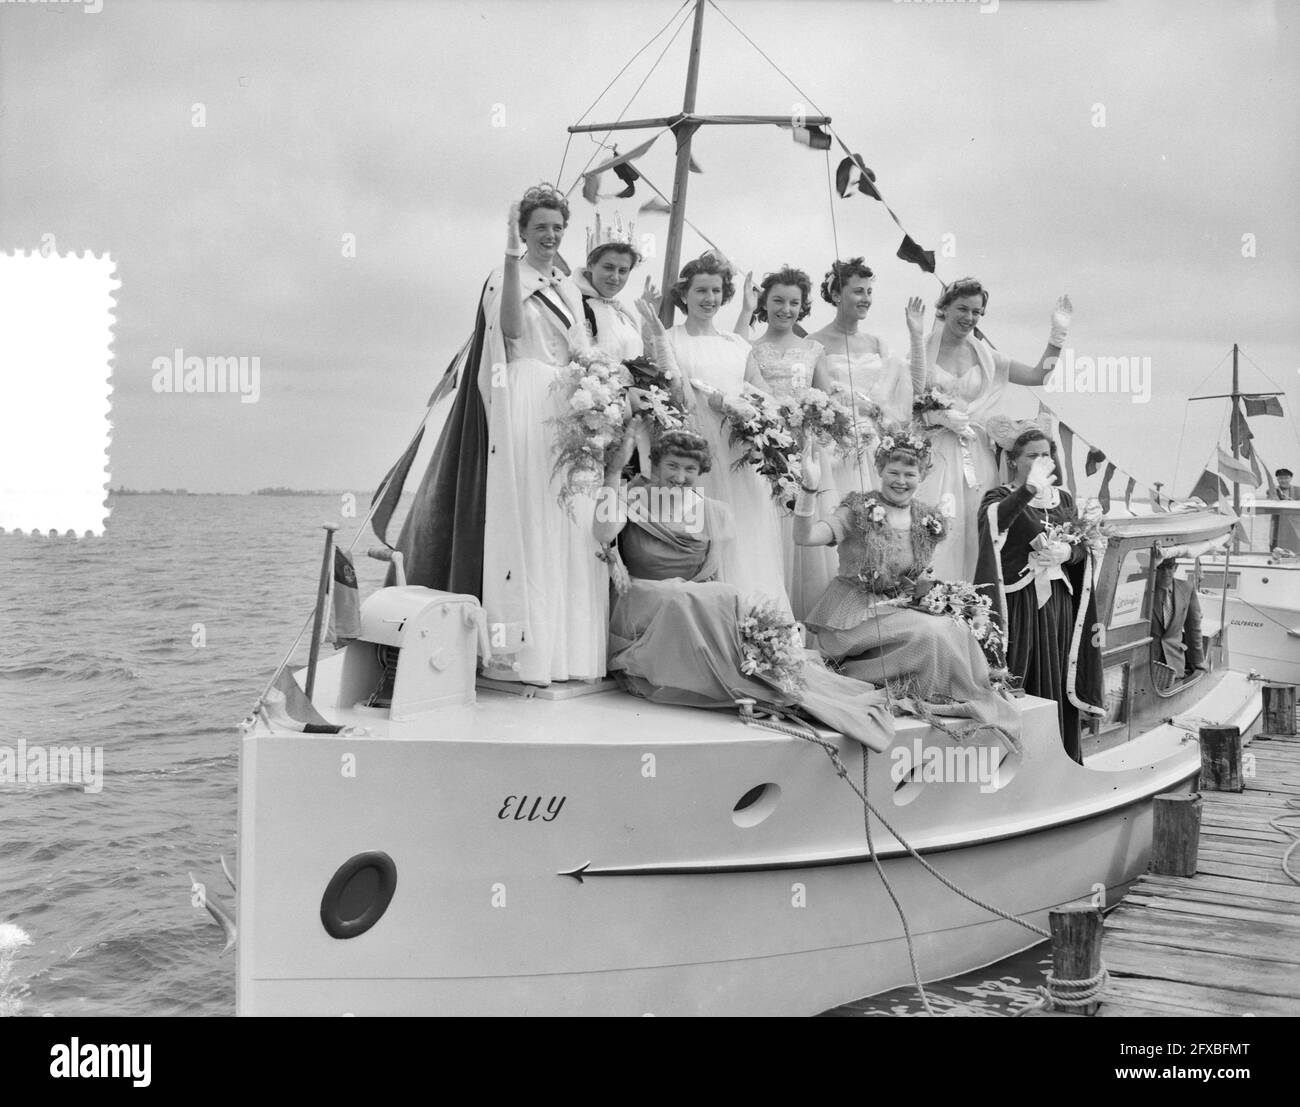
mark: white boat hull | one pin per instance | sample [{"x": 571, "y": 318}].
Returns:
[{"x": 642, "y": 894}]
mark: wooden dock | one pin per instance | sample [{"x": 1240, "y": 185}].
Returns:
[{"x": 1227, "y": 940}]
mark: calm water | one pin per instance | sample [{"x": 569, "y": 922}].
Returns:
[{"x": 97, "y": 649}]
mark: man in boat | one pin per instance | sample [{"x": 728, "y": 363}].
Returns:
[
  {"x": 1284, "y": 492},
  {"x": 1176, "y": 622}
]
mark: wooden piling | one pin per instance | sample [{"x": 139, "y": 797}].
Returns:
[
  {"x": 1076, "y": 952},
  {"x": 1279, "y": 711},
  {"x": 1221, "y": 759},
  {"x": 1177, "y": 834}
]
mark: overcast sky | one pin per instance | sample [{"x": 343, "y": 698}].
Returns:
[{"x": 378, "y": 120}]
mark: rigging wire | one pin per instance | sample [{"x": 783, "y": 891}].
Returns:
[
  {"x": 600, "y": 143},
  {"x": 1295, "y": 430},
  {"x": 626, "y": 66}
]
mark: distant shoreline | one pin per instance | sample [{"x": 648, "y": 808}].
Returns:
[{"x": 258, "y": 492}]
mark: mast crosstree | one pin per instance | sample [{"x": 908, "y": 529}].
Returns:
[{"x": 684, "y": 125}]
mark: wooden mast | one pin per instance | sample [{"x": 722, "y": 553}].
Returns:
[
  {"x": 684, "y": 127},
  {"x": 684, "y": 131}
]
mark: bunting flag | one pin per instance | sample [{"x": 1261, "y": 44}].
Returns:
[
  {"x": 813, "y": 137},
  {"x": 1094, "y": 460},
  {"x": 1128, "y": 496},
  {"x": 910, "y": 251},
  {"x": 591, "y": 178},
  {"x": 1240, "y": 434},
  {"x": 345, "y": 602},
  {"x": 866, "y": 181},
  {"x": 391, "y": 489},
  {"x": 655, "y": 203},
  {"x": 1208, "y": 489},
  {"x": 1157, "y": 502},
  {"x": 1262, "y": 405},
  {"x": 693, "y": 165},
  {"x": 629, "y": 176},
  {"x": 1067, "y": 453},
  {"x": 1234, "y": 471},
  {"x": 1103, "y": 494}
]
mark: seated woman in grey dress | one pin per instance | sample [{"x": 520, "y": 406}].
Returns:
[
  {"x": 675, "y": 630},
  {"x": 866, "y": 620}
]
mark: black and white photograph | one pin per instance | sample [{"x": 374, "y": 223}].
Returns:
[{"x": 662, "y": 508}]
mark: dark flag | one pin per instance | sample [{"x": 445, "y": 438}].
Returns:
[
  {"x": 1240, "y": 434},
  {"x": 1128, "y": 495},
  {"x": 813, "y": 137},
  {"x": 866, "y": 182},
  {"x": 389, "y": 491},
  {"x": 1208, "y": 489},
  {"x": 1262, "y": 405},
  {"x": 1104, "y": 495},
  {"x": 1095, "y": 458},
  {"x": 910, "y": 251},
  {"x": 626, "y": 173},
  {"x": 1067, "y": 458},
  {"x": 345, "y": 602}
]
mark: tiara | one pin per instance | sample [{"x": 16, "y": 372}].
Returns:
[
  {"x": 604, "y": 234},
  {"x": 903, "y": 438}
]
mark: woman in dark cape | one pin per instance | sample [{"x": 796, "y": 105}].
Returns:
[{"x": 1041, "y": 582}]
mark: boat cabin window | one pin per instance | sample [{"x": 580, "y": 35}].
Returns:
[
  {"x": 1116, "y": 700},
  {"x": 1131, "y": 605},
  {"x": 1214, "y": 579}
]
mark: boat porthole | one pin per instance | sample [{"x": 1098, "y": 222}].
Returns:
[
  {"x": 358, "y": 894},
  {"x": 756, "y": 805}
]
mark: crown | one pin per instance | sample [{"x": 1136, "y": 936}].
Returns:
[{"x": 604, "y": 234}]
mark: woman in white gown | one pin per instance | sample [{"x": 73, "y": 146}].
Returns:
[
  {"x": 712, "y": 365},
  {"x": 786, "y": 363},
  {"x": 973, "y": 375},
  {"x": 611, "y": 326},
  {"x": 859, "y": 366},
  {"x": 545, "y": 593}
]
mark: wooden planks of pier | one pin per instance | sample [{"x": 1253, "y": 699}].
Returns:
[{"x": 1227, "y": 940}]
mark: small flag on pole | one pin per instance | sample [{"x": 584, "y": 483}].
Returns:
[
  {"x": 655, "y": 203},
  {"x": 1103, "y": 496},
  {"x": 1262, "y": 405},
  {"x": 813, "y": 137},
  {"x": 345, "y": 602}
]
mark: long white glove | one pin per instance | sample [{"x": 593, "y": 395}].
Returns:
[
  {"x": 1061, "y": 318},
  {"x": 1042, "y": 474},
  {"x": 951, "y": 418}
]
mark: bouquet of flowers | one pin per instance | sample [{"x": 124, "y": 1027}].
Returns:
[
  {"x": 592, "y": 422},
  {"x": 829, "y": 421},
  {"x": 932, "y": 399},
  {"x": 758, "y": 425},
  {"x": 771, "y": 646},
  {"x": 1088, "y": 530},
  {"x": 960, "y": 602},
  {"x": 648, "y": 380}
]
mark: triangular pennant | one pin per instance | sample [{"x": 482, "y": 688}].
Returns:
[
  {"x": 345, "y": 602},
  {"x": 1094, "y": 460},
  {"x": 656, "y": 203},
  {"x": 619, "y": 159},
  {"x": 866, "y": 182},
  {"x": 1157, "y": 502},
  {"x": 1103, "y": 495},
  {"x": 591, "y": 187},
  {"x": 1067, "y": 453},
  {"x": 693, "y": 165},
  {"x": 629, "y": 176},
  {"x": 1208, "y": 489},
  {"x": 910, "y": 251},
  {"x": 1128, "y": 495},
  {"x": 1240, "y": 434}
]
